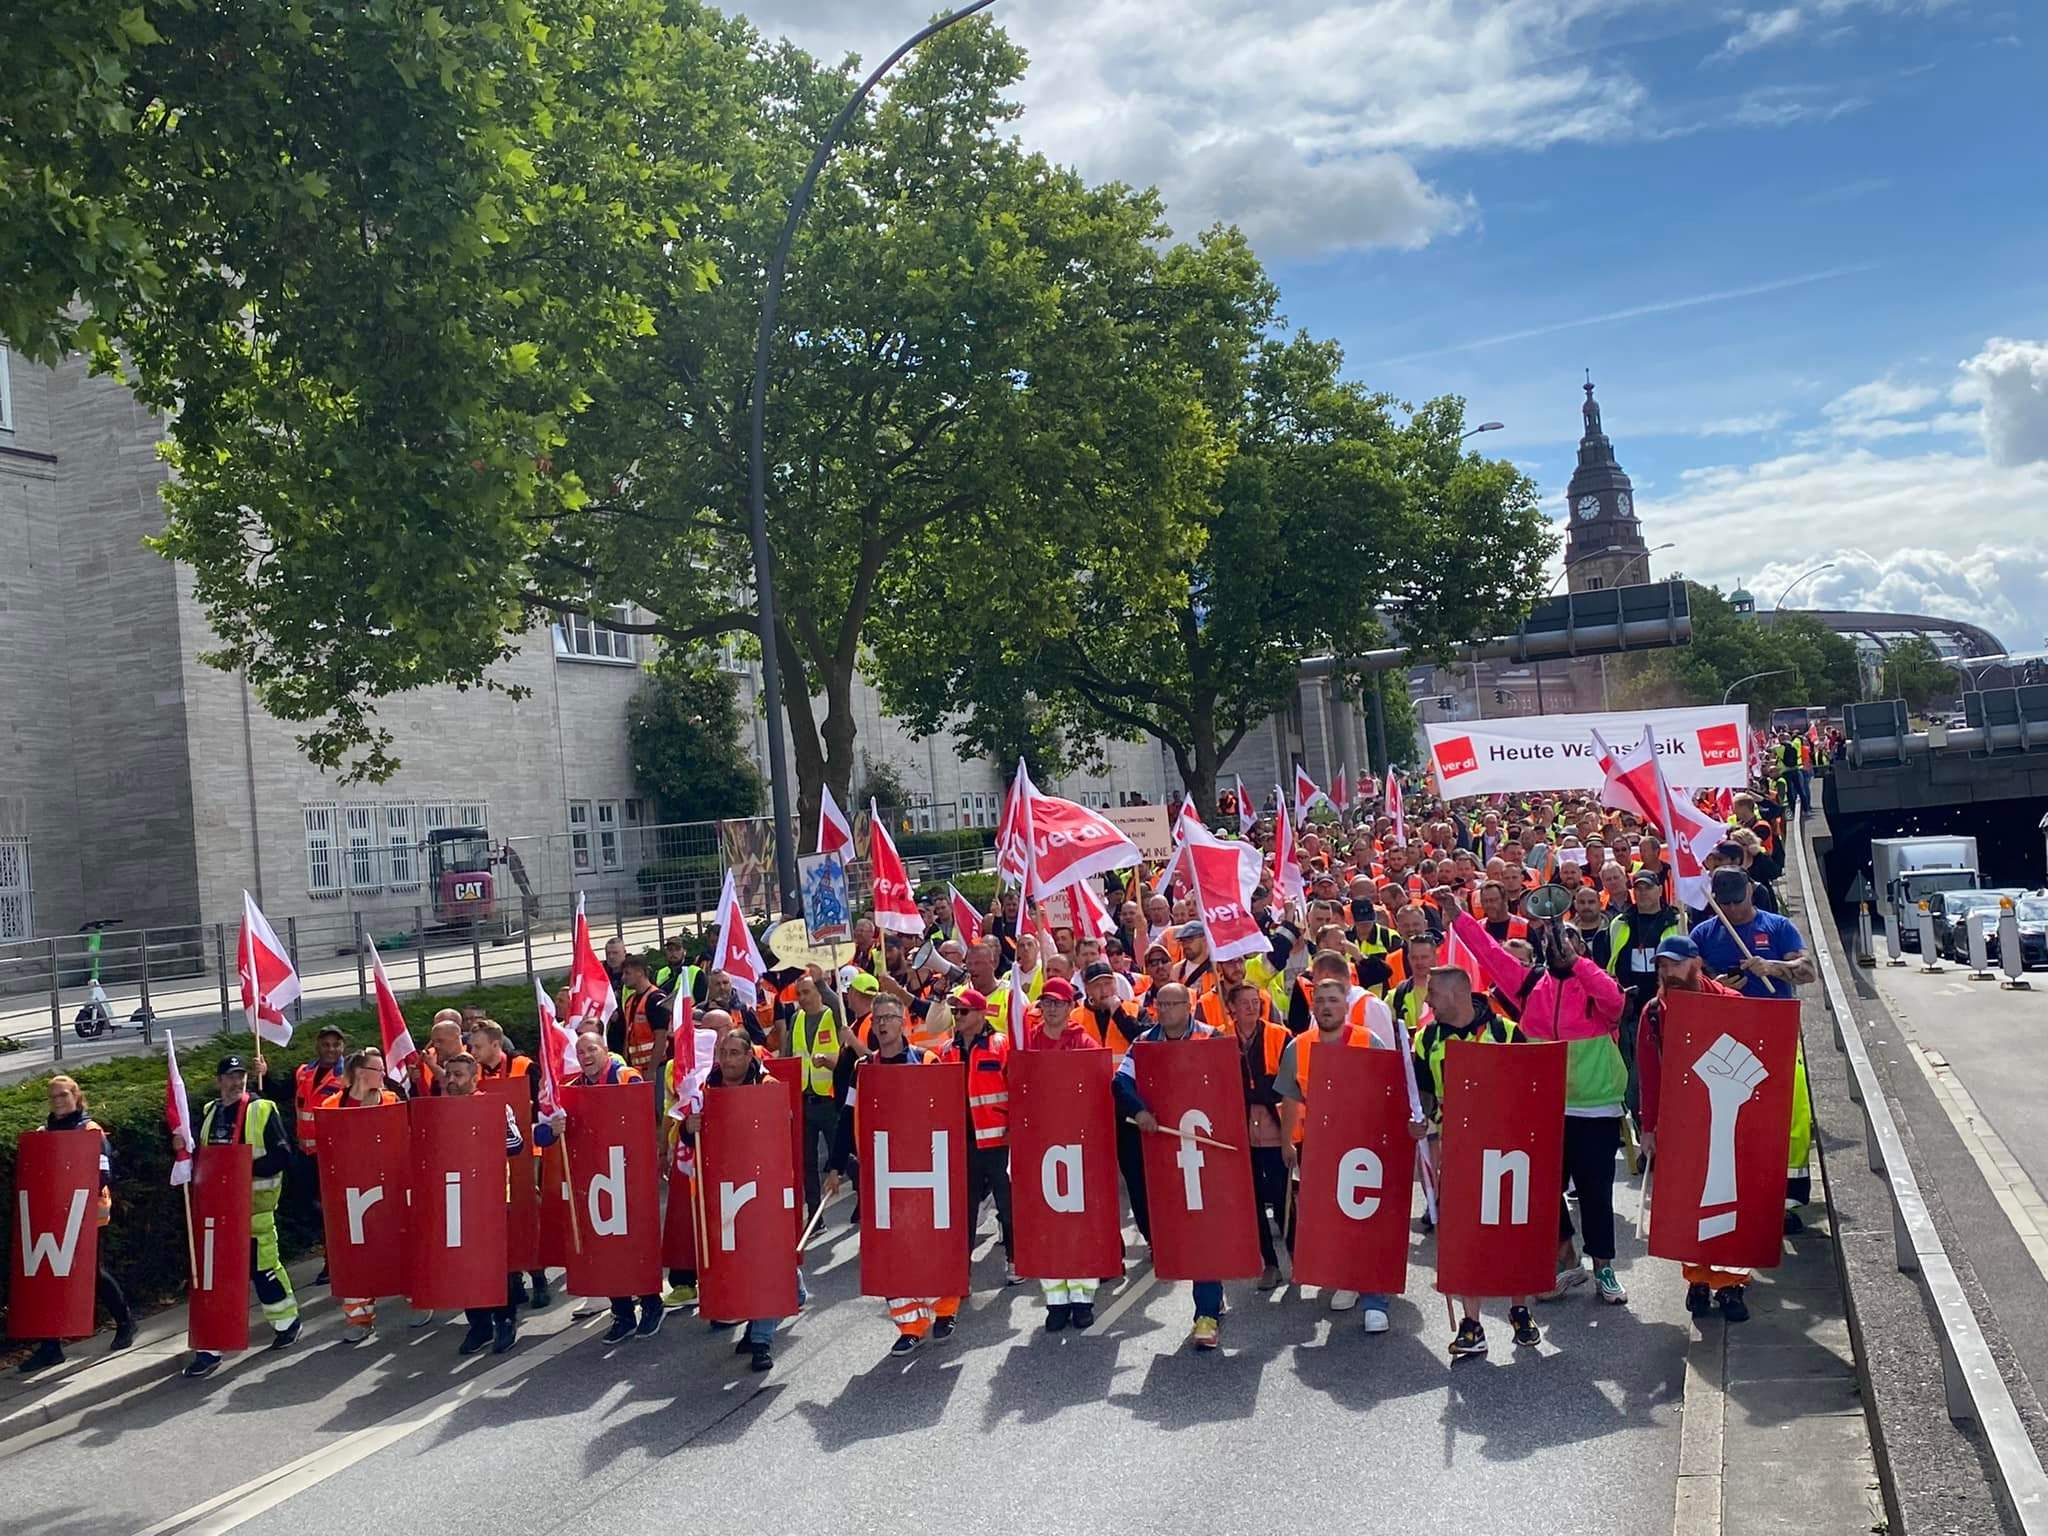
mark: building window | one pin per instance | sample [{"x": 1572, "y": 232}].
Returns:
[
  {"x": 362, "y": 847},
  {"x": 323, "y": 872},
  {"x": 17, "y": 907},
  {"x": 401, "y": 840},
  {"x": 6, "y": 395},
  {"x": 473, "y": 813},
  {"x": 585, "y": 638},
  {"x": 1594, "y": 583},
  {"x": 608, "y": 833},
  {"x": 579, "y": 834}
]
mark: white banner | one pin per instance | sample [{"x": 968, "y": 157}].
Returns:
[
  {"x": 1705, "y": 748},
  {"x": 1148, "y": 827}
]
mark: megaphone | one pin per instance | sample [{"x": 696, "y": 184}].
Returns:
[{"x": 1547, "y": 902}]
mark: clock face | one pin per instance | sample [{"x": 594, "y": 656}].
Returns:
[
  {"x": 1624, "y": 504},
  {"x": 1588, "y": 506}
]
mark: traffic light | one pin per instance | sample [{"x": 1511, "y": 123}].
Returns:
[{"x": 1444, "y": 701}]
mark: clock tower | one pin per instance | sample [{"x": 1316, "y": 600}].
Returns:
[{"x": 1603, "y": 543}]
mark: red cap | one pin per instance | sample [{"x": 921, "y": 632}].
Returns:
[
  {"x": 967, "y": 997},
  {"x": 1058, "y": 988}
]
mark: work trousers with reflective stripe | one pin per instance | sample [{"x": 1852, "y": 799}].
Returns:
[
  {"x": 267, "y": 1271},
  {"x": 988, "y": 1174},
  {"x": 1069, "y": 1293},
  {"x": 913, "y": 1314}
]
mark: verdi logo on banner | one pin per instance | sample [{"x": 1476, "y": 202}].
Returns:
[
  {"x": 1456, "y": 756},
  {"x": 1720, "y": 744}
]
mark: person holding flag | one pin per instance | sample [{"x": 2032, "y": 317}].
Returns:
[
  {"x": 239, "y": 1116},
  {"x": 270, "y": 982},
  {"x": 986, "y": 1055},
  {"x": 487, "y": 1043},
  {"x": 68, "y": 1113},
  {"x": 363, "y": 1086}
]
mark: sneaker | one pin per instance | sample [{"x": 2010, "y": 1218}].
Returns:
[
  {"x": 542, "y": 1296},
  {"x": 123, "y": 1337},
  {"x": 679, "y": 1296},
  {"x": 202, "y": 1363},
  {"x": 1527, "y": 1334},
  {"x": 478, "y": 1336},
  {"x": 47, "y": 1354},
  {"x": 621, "y": 1330},
  {"x": 1010, "y": 1276},
  {"x": 285, "y": 1338},
  {"x": 504, "y": 1336},
  {"x": 1269, "y": 1278},
  {"x": 1794, "y": 1224},
  {"x": 1470, "y": 1340},
  {"x": 942, "y": 1328},
  {"x": 906, "y": 1344},
  {"x": 359, "y": 1334},
  {"x": 1205, "y": 1334},
  {"x": 1734, "y": 1309},
  {"x": 1608, "y": 1288},
  {"x": 1084, "y": 1316},
  {"x": 1375, "y": 1320},
  {"x": 650, "y": 1321},
  {"x": 1343, "y": 1301},
  {"x": 321, "y": 1278},
  {"x": 1699, "y": 1301},
  {"x": 764, "y": 1358},
  {"x": 1057, "y": 1316},
  {"x": 744, "y": 1347}
]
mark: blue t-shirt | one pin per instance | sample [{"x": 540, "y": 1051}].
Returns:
[{"x": 1768, "y": 937}]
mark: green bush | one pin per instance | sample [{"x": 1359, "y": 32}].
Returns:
[
  {"x": 978, "y": 886},
  {"x": 145, "y": 1244},
  {"x": 927, "y": 845}
]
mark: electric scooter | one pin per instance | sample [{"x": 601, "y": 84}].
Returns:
[{"x": 96, "y": 1017}]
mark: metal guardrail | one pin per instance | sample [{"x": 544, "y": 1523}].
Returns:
[{"x": 1975, "y": 1390}]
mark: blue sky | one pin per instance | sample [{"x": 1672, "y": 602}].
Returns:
[{"x": 1803, "y": 247}]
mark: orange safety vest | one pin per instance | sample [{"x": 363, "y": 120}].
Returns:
[
  {"x": 1275, "y": 1038},
  {"x": 640, "y": 1031},
  {"x": 104, "y": 1208},
  {"x": 339, "y": 1099},
  {"x": 988, "y": 1085},
  {"x": 1114, "y": 1033},
  {"x": 614, "y": 1074},
  {"x": 1211, "y": 1009},
  {"x": 1355, "y": 1019},
  {"x": 308, "y": 1089},
  {"x": 1355, "y": 1036}
]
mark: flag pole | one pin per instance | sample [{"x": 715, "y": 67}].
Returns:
[
  {"x": 191, "y": 1246},
  {"x": 569, "y": 1178}
]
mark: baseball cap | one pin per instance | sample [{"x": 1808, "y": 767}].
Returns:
[
  {"x": 1730, "y": 884},
  {"x": 329, "y": 1029},
  {"x": 1156, "y": 948},
  {"x": 1097, "y": 971},
  {"x": 1188, "y": 931},
  {"x": 230, "y": 1064},
  {"x": 863, "y": 982},
  {"x": 1678, "y": 947},
  {"x": 1057, "y": 989},
  {"x": 968, "y": 997},
  {"x": 1648, "y": 877}
]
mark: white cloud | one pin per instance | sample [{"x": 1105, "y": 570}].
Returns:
[
  {"x": 1878, "y": 399},
  {"x": 1740, "y": 426},
  {"x": 1760, "y": 29},
  {"x": 2009, "y": 379}
]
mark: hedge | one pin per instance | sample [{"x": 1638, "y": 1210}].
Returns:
[
  {"x": 978, "y": 886},
  {"x": 145, "y": 1244}
]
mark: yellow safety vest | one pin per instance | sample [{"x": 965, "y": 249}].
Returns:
[{"x": 803, "y": 1039}]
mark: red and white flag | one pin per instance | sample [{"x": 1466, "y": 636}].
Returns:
[
  {"x": 835, "y": 832},
  {"x": 895, "y": 902},
  {"x": 590, "y": 985},
  {"x": 1392, "y": 806},
  {"x": 177, "y": 1115},
  {"x": 1340, "y": 792},
  {"x": 1247, "y": 813},
  {"x": 1224, "y": 875},
  {"x": 1187, "y": 819},
  {"x": 270, "y": 982},
  {"x": 557, "y": 1051},
  {"x": 1288, "y": 884},
  {"x": 399, "y": 1050},
  {"x": 1091, "y": 916},
  {"x": 1305, "y": 795},
  {"x": 1013, "y": 833},
  {"x": 737, "y": 954},
  {"x": 966, "y": 916},
  {"x": 1069, "y": 842},
  {"x": 1635, "y": 783}
]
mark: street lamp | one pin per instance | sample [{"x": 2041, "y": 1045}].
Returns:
[
  {"x": 1484, "y": 426},
  {"x": 757, "y": 501},
  {"x": 1797, "y": 580},
  {"x": 1729, "y": 692}
]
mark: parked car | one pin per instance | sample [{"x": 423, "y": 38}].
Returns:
[
  {"x": 2031, "y": 909},
  {"x": 1953, "y": 911}
]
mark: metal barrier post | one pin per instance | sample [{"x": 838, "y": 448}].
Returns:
[
  {"x": 476, "y": 951},
  {"x": 1865, "y": 948},
  {"x": 362, "y": 969},
  {"x": 147, "y": 1014},
  {"x": 56, "y": 1007},
  {"x": 1894, "y": 946},
  {"x": 660, "y": 921},
  {"x": 291, "y": 947},
  {"x": 419, "y": 944},
  {"x": 618, "y": 918},
  {"x": 220, "y": 957}
]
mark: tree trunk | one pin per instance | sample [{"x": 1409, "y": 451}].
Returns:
[
  {"x": 807, "y": 756},
  {"x": 1207, "y": 759}
]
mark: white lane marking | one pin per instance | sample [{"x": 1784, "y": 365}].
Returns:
[{"x": 1135, "y": 1286}]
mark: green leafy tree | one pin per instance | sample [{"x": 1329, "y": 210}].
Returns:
[
  {"x": 1255, "y": 507},
  {"x": 375, "y": 256},
  {"x": 1915, "y": 672},
  {"x": 1804, "y": 662},
  {"x": 683, "y": 730}
]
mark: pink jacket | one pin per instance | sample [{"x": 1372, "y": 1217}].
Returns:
[{"x": 1584, "y": 1006}]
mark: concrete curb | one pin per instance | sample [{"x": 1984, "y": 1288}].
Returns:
[{"x": 1702, "y": 1435}]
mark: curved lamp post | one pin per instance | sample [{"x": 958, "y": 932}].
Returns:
[{"x": 1803, "y": 576}]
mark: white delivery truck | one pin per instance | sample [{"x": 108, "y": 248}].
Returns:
[{"x": 1905, "y": 871}]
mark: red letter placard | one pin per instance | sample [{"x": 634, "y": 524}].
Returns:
[
  {"x": 1357, "y": 1174},
  {"x": 1503, "y": 1169},
  {"x": 522, "y": 1193},
  {"x": 56, "y": 1234},
  {"x": 1201, "y": 1196},
  {"x": 912, "y": 1134},
  {"x": 617, "y": 1189},
  {"x": 1063, "y": 1166},
  {"x": 1723, "y": 1128},
  {"x": 789, "y": 1072},
  {"x": 219, "y": 1312},
  {"x": 455, "y": 1233},
  {"x": 749, "y": 1267},
  {"x": 365, "y": 1170}
]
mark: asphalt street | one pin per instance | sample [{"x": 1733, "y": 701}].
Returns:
[{"x": 1301, "y": 1422}]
